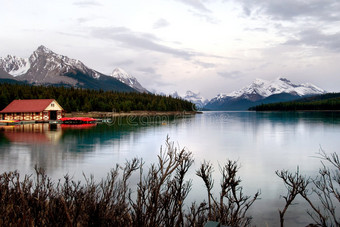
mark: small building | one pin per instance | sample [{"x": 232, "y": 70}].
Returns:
[{"x": 32, "y": 110}]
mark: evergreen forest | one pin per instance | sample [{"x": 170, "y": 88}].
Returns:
[
  {"x": 86, "y": 100},
  {"x": 330, "y": 101}
]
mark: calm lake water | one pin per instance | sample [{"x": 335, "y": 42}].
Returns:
[{"x": 261, "y": 143}]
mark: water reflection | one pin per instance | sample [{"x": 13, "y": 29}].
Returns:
[
  {"x": 32, "y": 133},
  {"x": 60, "y": 148},
  {"x": 261, "y": 142}
]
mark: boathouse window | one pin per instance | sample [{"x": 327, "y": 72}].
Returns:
[
  {"x": 37, "y": 113},
  {"x": 52, "y": 104}
]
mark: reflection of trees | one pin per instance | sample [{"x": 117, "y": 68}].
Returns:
[{"x": 50, "y": 146}]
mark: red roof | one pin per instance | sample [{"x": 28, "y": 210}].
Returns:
[{"x": 27, "y": 105}]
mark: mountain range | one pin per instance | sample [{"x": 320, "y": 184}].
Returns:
[
  {"x": 262, "y": 92},
  {"x": 44, "y": 67},
  {"x": 195, "y": 98}
]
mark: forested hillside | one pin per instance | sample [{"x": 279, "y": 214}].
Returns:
[
  {"x": 330, "y": 101},
  {"x": 78, "y": 99}
]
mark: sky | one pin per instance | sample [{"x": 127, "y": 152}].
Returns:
[{"x": 206, "y": 46}]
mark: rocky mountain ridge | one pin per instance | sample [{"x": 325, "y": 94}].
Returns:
[
  {"x": 127, "y": 79},
  {"x": 262, "y": 91},
  {"x": 44, "y": 67}
]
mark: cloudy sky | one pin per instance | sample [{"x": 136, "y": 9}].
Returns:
[{"x": 211, "y": 46}]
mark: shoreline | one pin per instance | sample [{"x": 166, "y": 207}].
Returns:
[{"x": 98, "y": 114}]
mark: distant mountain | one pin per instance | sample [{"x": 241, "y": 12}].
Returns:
[
  {"x": 127, "y": 79},
  {"x": 190, "y": 96},
  {"x": 195, "y": 98},
  {"x": 262, "y": 91},
  {"x": 44, "y": 67}
]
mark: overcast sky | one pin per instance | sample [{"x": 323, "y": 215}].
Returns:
[{"x": 211, "y": 46}]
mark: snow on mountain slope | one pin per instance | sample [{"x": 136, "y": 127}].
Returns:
[
  {"x": 260, "y": 89},
  {"x": 127, "y": 79},
  {"x": 195, "y": 98},
  {"x": 45, "y": 66},
  {"x": 14, "y": 66},
  {"x": 191, "y": 96},
  {"x": 48, "y": 68}
]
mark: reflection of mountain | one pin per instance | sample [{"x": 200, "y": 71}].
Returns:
[{"x": 32, "y": 133}]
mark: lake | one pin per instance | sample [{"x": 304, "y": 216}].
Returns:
[{"x": 261, "y": 143}]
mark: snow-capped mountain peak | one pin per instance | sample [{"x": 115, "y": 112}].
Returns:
[
  {"x": 193, "y": 97},
  {"x": 119, "y": 73},
  {"x": 196, "y": 98},
  {"x": 43, "y": 49},
  {"x": 262, "y": 91},
  {"x": 45, "y": 67},
  {"x": 127, "y": 79},
  {"x": 264, "y": 88}
]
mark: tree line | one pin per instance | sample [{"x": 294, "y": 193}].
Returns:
[
  {"x": 86, "y": 100},
  {"x": 324, "y": 102}
]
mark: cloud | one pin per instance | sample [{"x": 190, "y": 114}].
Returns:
[
  {"x": 205, "y": 64},
  {"x": 147, "y": 70},
  {"x": 324, "y": 10},
  {"x": 230, "y": 74},
  {"x": 316, "y": 38},
  {"x": 205, "y": 17},
  {"x": 71, "y": 34},
  {"x": 258, "y": 29},
  {"x": 196, "y": 4},
  {"x": 124, "y": 63},
  {"x": 200, "y": 10},
  {"x": 161, "y": 23},
  {"x": 83, "y": 20},
  {"x": 86, "y": 3},
  {"x": 137, "y": 40}
]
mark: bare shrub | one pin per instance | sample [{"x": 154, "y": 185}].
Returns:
[
  {"x": 158, "y": 199},
  {"x": 295, "y": 184},
  {"x": 325, "y": 186},
  {"x": 161, "y": 193},
  {"x": 232, "y": 206}
]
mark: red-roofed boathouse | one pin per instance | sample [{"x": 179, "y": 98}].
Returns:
[{"x": 32, "y": 110}]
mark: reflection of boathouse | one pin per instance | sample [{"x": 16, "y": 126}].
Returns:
[
  {"x": 32, "y": 133},
  {"x": 32, "y": 110}
]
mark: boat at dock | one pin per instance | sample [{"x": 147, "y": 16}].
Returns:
[
  {"x": 78, "y": 120},
  {"x": 9, "y": 122}
]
